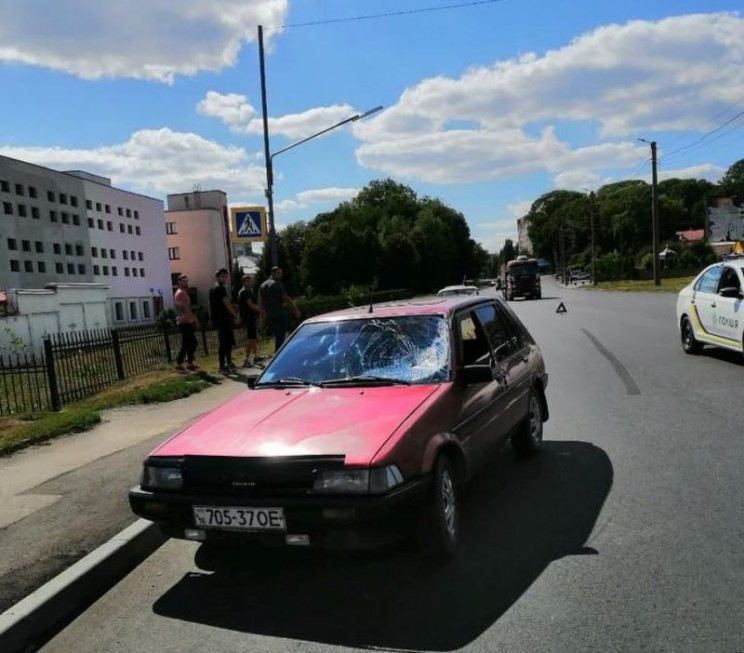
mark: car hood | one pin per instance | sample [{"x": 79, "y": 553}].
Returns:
[{"x": 354, "y": 422}]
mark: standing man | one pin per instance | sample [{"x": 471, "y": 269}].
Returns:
[
  {"x": 248, "y": 309},
  {"x": 272, "y": 298},
  {"x": 223, "y": 315},
  {"x": 187, "y": 324}
]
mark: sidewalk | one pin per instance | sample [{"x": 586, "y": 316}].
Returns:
[{"x": 61, "y": 500}]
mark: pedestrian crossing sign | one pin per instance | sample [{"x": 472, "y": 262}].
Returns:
[{"x": 248, "y": 224}]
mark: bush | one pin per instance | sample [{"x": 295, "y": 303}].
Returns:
[
  {"x": 647, "y": 261},
  {"x": 688, "y": 260},
  {"x": 614, "y": 267},
  {"x": 166, "y": 321},
  {"x": 354, "y": 296}
]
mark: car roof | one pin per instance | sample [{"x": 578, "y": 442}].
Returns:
[
  {"x": 462, "y": 287},
  {"x": 444, "y": 306}
]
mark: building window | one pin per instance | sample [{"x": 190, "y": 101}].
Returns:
[
  {"x": 174, "y": 253},
  {"x": 126, "y": 254},
  {"x": 70, "y": 268},
  {"x": 32, "y": 192},
  {"x": 126, "y": 272},
  {"x": 136, "y": 215},
  {"x": 133, "y": 255},
  {"x": 19, "y": 189},
  {"x": 79, "y": 250},
  {"x": 76, "y": 219},
  {"x": 28, "y": 266},
  {"x": 119, "y": 311},
  {"x": 142, "y": 272},
  {"x": 96, "y": 270},
  {"x": 119, "y": 210},
  {"x": 110, "y": 226},
  {"x": 98, "y": 206},
  {"x": 7, "y": 208},
  {"x": 114, "y": 271},
  {"x": 26, "y": 245},
  {"x": 112, "y": 253},
  {"x": 121, "y": 227},
  {"x": 89, "y": 205},
  {"x": 100, "y": 224},
  {"x": 53, "y": 216},
  {"x": 141, "y": 256},
  {"x": 91, "y": 223},
  {"x": 41, "y": 267},
  {"x": 35, "y": 212},
  {"x": 15, "y": 266},
  {"x": 146, "y": 309},
  {"x": 170, "y": 228},
  {"x": 105, "y": 270},
  {"x": 57, "y": 248},
  {"x": 73, "y": 200},
  {"x": 132, "y": 310},
  {"x": 39, "y": 247},
  {"x": 81, "y": 268},
  {"x": 65, "y": 217},
  {"x": 94, "y": 252},
  {"x": 104, "y": 253},
  {"x": 129, "y": 228},
  {"x": 4, "y": 186},
  {"x": 60, "y": 268},
  {"x": 137, "y": 230},
  {"x": 134, "y": 272},
  {"x": 22, "y": 210},
  {"x": 129, "y": 213},
  {"x": 108, "y": 208},
  {"x": 50, "y": 195},
  {"x": 62, "y": 198},
  {"x": 68, "y": 249},
  {"x": 12, "y": 244}
]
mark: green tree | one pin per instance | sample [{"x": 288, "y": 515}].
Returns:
[
  {"x": 508, "y": 251},
  {"x": 732, "y": 183}
]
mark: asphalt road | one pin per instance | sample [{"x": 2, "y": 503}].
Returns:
[{"x": 626, "y": 534}]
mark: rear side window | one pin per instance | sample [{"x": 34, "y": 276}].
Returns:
[
  {"x": 729, "y": 279},
  {"x": 502, "y": 340},
  {"x": 709, "y": 281}
]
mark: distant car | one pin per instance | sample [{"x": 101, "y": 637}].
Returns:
[
  {"x": 710, "y": 310},
  {"x": 362, "y": 430},
  {"x": 453, "y": 291}
]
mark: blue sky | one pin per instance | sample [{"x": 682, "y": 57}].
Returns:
[{"x": 486, "y": 106}]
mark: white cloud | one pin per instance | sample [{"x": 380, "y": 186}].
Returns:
[
  {"x": 302, "y": 125},
  {"x": 159, "y": 161},
  {"x": 639, "y": 76},
  {"x": 709, "y": 171},
  {"x": 232, "y": 109},
  {"x": 492, "y": 235},
  {"x": 156, "y": 40},
  {"x": 317, "y": 196},
  {"x": 577, "y": 179},
  {"x": 519, "y": 209}
]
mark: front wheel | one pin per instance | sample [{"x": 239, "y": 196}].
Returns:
[
  {"x": 442, "y": 531},
  {"x": 690, "y": 345},
  {"x": 528, "y": 439}
]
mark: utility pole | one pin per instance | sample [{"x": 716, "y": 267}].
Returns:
[
  {"x": 654, "y": 212},
  {"x": 563, "y": 254},
  {"x": 594, "y": 250},
  {"x": 267, "y": 153}
]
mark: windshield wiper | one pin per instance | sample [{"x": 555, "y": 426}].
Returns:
[
  {"x": 286, "y": 381},
  {"x": 364, "y": 379}
]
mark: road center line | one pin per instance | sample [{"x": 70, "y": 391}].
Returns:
[{"x": 630, "y": 385}]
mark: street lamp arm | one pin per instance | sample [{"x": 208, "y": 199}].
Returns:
[{"x": 354, "y": 118}]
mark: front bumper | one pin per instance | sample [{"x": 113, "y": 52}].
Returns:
[{"x": 330, "y": 522}]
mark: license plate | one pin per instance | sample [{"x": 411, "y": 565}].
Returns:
[{"x": 240, "y": 519}]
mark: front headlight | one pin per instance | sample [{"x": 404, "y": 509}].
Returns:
[
  {"x": 161, "y": 476},
  {"x": 358, "y": 481}
]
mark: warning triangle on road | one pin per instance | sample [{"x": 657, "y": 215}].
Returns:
[{"x": 561, "y": 308}]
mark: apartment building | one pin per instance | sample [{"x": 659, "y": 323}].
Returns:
[
  {"x": 197, "y": 231},
  {"x": 74, "y": 227}
]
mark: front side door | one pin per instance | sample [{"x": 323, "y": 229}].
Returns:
[
  {"x": 705, "y": 303},
  {"x": 727, "y": 311}
]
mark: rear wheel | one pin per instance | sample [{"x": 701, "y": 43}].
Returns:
[
  {"x": 528, "y": 439},
  {"x": 442, "y": 519},
  {"x": 689, "y": 342}
]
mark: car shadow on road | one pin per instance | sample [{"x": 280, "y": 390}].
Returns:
[
  {"x": 725, "y": 355},
  {"x": 517, "y": 518}
]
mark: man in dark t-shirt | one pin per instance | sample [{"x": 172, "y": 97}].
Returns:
[
  {"x": 248, "y": 309},
  {"x": 272, "y": 298},
  {"x": 223, "y": 315}
]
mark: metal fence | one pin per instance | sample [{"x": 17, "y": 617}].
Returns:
[{"x": 77, "y": 365}]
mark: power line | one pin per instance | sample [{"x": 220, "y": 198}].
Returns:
[
  {"x": 700, "y": 142},
  {"x": 389, "y": 14}
]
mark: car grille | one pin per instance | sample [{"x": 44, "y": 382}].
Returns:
[{"x": 269, "y": 476}]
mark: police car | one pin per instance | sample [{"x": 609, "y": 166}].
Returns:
[{"x": 710, "y": 311}]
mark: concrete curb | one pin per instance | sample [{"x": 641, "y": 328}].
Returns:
[{"x": 32, "y": 621}]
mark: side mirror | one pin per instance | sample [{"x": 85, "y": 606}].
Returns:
[
  {"x": 251, "y": 381},
  {"x": 730, "y": 291},
  {"x": 472, "y": 374}
]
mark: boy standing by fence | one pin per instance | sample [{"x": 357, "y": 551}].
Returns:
[
  {"x": 187, "y": 324},
  {"x": 248, "y": 309}
]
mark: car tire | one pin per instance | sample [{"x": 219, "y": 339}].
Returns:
[
  {"x": 527, "y": 441},
  {"x": 442, "y": 518},
  {"x": 539, "y": 294},
  {"x": 690, "y": 344}
]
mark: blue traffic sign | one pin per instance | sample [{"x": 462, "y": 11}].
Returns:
[{"x": 249, "y": 223}]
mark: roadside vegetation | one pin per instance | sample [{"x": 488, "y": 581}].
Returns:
[{"x": 673, "y": 285}]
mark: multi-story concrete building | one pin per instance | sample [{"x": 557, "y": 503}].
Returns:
[
  {"x": 196, "y": 227},
  {"x": 523, "y": 237},
  {"x": 72, "y": 227}
]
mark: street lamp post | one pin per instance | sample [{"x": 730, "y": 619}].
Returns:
[
  {"x": 591, "y": 226},
  {"x": 270, "y": 157}
]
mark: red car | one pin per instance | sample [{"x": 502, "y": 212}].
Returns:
[{"x": 361, "y": 430}]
